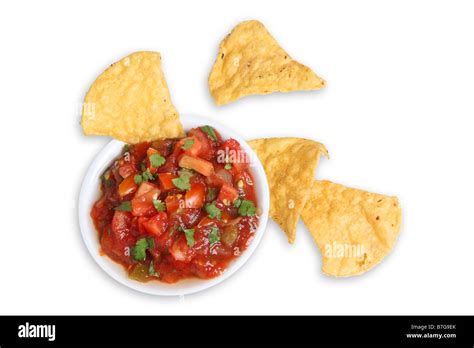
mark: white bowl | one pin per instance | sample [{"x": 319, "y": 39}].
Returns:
[{"x": 90, "y": 192}]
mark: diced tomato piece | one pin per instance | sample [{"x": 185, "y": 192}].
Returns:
[
  {"x": 164, "y": 146},
  {"x": 205, "y": 270},
  {"x": 165, "y": 240},
  {"x": 198, "y": 164},
  {"x": 190, "y": 216},
  {"x": 225, "y": 217},
  {"x": 220, "y": 177},
  {"x": 224, "y": 175},
  {"x": 156, "y": 254},
  {"x": 121, "y": 224},
  {"x": 127, "y": 186},
  {"x": 140, "y": 222},
  {"x": 185, "y": 218},
  {"x": 207, "y": 151},
  {"x": 195, "y": 196},
  {"x": 205, "y": 221},
  {"x": 157, "y": 224},
  {"x": 235, "y": 155},
  {"x": 144, "y": 188},
  {"x": 171, "y": 164},
  {"x": 143, "y": 205},
  {"x": 151, "y": 151},
  {"x": 228, "y": 194},
  {"x": 166, "y": 182},
  {"x": 180, "y": 250},
  {"x": 230, "y": 144},
  {"x": 244, "y": 182},
  {"x": 126, "y": 169},
  {"x": 195, "y": 148},
  {"x": 214, "y": 181},
  {"x": 138, "y": 151},
  {"x": 102, "y": 213},
  {"x": 241, "y": 165},
  {"x": 116, "y": 249},
  {"x": 168, "y": 271},
  {"x": 174, "y": 202}
]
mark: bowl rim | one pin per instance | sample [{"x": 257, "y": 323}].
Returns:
[{"x": 89, "y": 192}]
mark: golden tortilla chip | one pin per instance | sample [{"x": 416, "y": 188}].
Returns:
[
  {"x": 290, "y": 165},
  {"x": 250, "y": 61},
  {"x": 353, "y": 229},
  {"x": 130, "y": 101}
]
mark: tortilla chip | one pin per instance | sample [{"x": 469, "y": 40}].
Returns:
[
  {"x": 290, "y": 165},
  {"x": 130, "y": 101},
  {"x": 250, "y": 61},
  {"x": 353, "y": 229}
]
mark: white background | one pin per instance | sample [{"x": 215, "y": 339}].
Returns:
[{"x": 396, "y": 117}]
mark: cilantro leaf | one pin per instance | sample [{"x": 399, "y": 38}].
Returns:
[
  {"x": 152, "y": 271},
  {"x": 189, "y": 233},
  {"x": 188, "y": 143},
  {"x": 151, "y": 242},
  {"x": 124, "y": 206},
  {"x": 237, "y": 202},
  {"x": 214, "y": 235},
  {"x": 182, "y": 182},
  {"x": 247, "y": 208},
  {"x": 210, "y": 132},
  {"x": 157, "y": 160},
  {"x": 138, "y": 179},
  {"x": 213, "y": 211},
  {"x": 159, "y": 205},
  {"x": 147, "y": 176},
  {"x": 126, "y": 148},
  {"x": 139, "y": 249}
]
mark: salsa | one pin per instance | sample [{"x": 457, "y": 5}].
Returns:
[{"x": 177, "y": 208}]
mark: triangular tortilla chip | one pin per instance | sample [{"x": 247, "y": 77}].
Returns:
[
  {"x": 290, "y": 165},
  {"x": 250, "y": 61},
  {"x": 130, "y": 101},
  {"x": 353, "y": 229}
]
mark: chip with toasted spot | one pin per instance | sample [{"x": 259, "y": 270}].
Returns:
[
  {"x": 130, "y": 101},
  {"x": 250, "y": 61},
  {"x": 290, "y": 165},
  {"x": 353, "y": 229}
]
